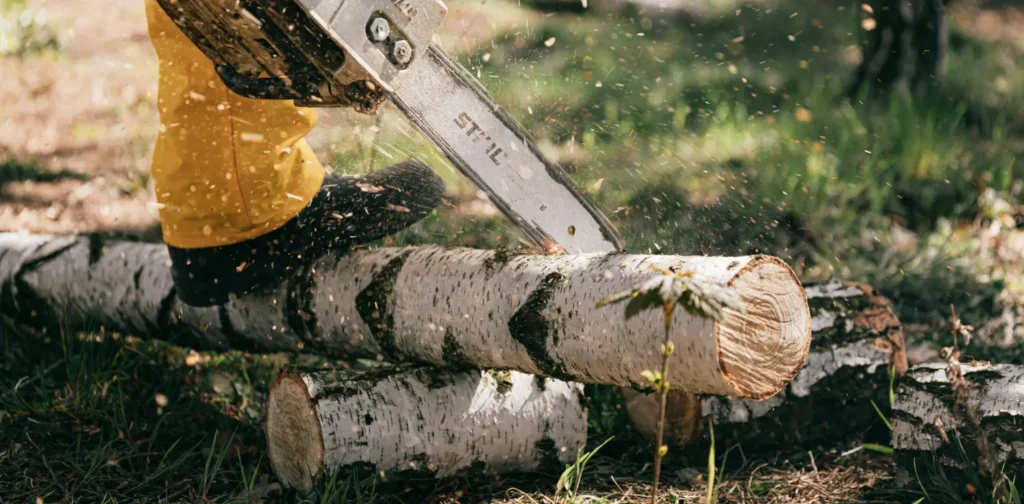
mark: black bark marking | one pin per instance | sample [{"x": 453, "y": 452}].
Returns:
[
  {"x": 299, "y": 314},
  {"x": 238, "y": 340},
  {"x": 375, "y": 305},
  {"x": 532, "y": 329},
  {"x": 434, "y": 379},
  {"x": 453, "y": 353},
  {"x": 163, "y": 316},
  {"x": 95, "y": 248},
  {"x": 548, "y": 450},
  {"x": 20, "y": 300}
]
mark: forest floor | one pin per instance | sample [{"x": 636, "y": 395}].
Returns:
[{"x": 723, "y": 130}]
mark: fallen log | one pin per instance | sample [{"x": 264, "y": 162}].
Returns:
[
  {"x": 448, "y": 307},
  {"x": 425, "y": 421},
  {"x": 964, "y": 446},
  {"x": 857, "y": 340}
]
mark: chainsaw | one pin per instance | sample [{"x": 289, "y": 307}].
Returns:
[{"x": 359, "y": 53}]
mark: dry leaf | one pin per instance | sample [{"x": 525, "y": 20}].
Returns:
[
  {"x": 552, "y": 248},
  {"x": 802, "y": 115}
]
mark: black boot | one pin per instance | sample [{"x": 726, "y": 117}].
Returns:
[{"x": 347, "y": 211}]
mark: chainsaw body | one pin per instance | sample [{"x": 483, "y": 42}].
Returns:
[
  {"x": 318, "y": 53},
  {"x": 357, "y": 53}
]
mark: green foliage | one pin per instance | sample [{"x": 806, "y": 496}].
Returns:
[
  {"x": 675, "y": 288},
  {"x": 712, "y": 483},
  {"x": 14, "y": 170},
  {"x": 568, "y": 486},
  {"x": 25, "y": 31}
]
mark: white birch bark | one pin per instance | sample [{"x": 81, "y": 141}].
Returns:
[
  {"x": 856, "y": 340},
  {"x": 461, "y": 307},
  {"x": 933, "y": 434},
  {"x": 428, "y": 421}
]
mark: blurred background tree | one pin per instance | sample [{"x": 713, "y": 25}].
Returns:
[{"x": 907, "y": 46}]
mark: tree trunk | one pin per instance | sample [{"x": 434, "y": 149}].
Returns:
[
  {"x": 906, "y": 47},
  {"x": 959, "y": 447},
  {"x": 426, "y": 421},
  {"x": 459, "y": 307},
  {"x": 857, "y": 339}
]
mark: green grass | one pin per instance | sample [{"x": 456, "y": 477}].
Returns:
[
  {"x": 15, "y": 170},
  {"x": 25, "y": 32},
  {"x": 724, "y": 134},
  {"x": 733, "y": 135}
]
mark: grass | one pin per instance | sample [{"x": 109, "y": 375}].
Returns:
[
  {"x": 727, "y": 133},
  {"x": 15, "y": 170},
  {"x": 25, "y": 32}
]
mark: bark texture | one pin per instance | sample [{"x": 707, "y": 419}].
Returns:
[
  {"x": 937, "y": 442},
  {"x": 856, "y": 340},
  {"x": 906, "y": 47},
  {"x": 448, "y": 307},
  {"x": 427, "y": 421}
]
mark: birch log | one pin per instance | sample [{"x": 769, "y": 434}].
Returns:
[
  {"x": 856, "y": 340},
  {"x": 427, "y": 421},
  {"x": 936, "y": 440},
  {"x": 451, "y": 307}
]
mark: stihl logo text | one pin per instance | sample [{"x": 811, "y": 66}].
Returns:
[{"x": 476, "y": 133}]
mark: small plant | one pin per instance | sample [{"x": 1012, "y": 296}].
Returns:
[
  {"x": 670, "y": 289},
  {"x": 712, "y": 487},
  {"x": 569, "y": 482},
  {"x": 214, "y": 461}
]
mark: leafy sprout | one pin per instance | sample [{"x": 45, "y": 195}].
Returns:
[{"x": 676, "y": 288}]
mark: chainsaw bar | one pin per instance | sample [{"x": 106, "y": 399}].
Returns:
[
  {"x": 486, "y": 145},
  {"x": 333, "y": 53}
]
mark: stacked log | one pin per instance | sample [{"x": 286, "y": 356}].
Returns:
[
  {"x": 961, "y": 436},
  {"x": 443, "y": 308},
  {"x": 857, "y": 342},
  {"x": 426, "y": 421},
  {"x": 535, "y": 314}
]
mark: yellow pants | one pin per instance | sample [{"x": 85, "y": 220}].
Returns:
[{"x": 226, "y": 168}]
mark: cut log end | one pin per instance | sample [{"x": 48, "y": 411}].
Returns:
[
  {"x": 294, "y": 439},
  {"x": 762, "y": 347}
]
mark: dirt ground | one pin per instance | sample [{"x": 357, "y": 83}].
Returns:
[{"x": 90, "y": 109}]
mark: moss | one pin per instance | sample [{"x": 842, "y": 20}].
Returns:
[
  {"x": 502, "y": 255},
  {"x": 434, "y": 378},
  {"x": 453, "y": 354},
  {"x": 503, "y": 380},
  {"x": 638, "y": 387},
  {"x": 531, "y": 328}
]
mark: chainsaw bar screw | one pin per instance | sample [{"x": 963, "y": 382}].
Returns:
[
  {"x": 402, "y": 53},
  {"x": 379, "y": 29}
]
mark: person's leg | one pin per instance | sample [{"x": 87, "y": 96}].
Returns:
[{"x": 243, "y": 198}]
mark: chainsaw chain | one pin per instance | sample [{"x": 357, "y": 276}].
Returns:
[{"x": 254, "y": 38}]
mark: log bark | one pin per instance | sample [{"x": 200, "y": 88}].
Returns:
[
  {"x": 447, "y": 307},
  {"x": 963, "y": 447},
  {"x": 427, "y": 421},
  {"x": 856, "y": 340}
]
